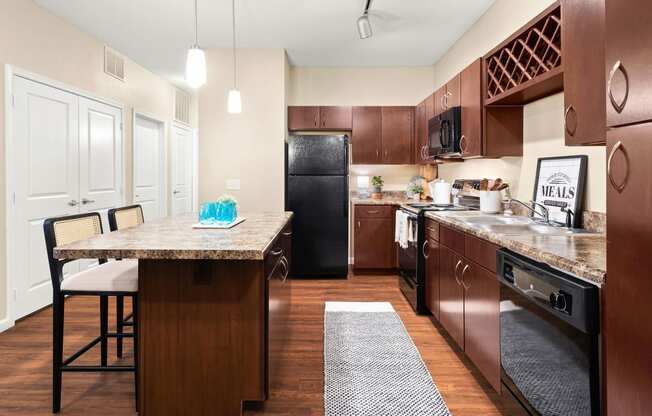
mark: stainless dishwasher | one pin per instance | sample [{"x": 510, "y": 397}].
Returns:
[{"x": 549, "y": 338}]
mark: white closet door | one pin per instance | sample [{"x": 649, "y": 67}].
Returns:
[
  {"x": 46, "y": 172},
  {"x": 100, "y": 160},
  {"x": 182, "y": 167},
  {"x": 148, "y": 166}
]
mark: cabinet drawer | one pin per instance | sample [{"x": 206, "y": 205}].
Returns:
[
  {"x": 452, "y": 239},
  {"x": 373, "y": 211},
  {"x": 481, "y": 252},
  {"x": 279, "y": 251},
  {"x": 432, "y": 229}
]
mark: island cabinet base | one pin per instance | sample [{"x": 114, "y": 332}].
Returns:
[{"x": 202, "y": 326}]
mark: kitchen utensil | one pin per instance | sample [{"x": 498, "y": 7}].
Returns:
[
  {"x": 497, "y": 183},
  {"x": 484, "y": 185}
]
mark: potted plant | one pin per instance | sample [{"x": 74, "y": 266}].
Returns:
[
  {"x": 377, "y": 182},
  {"x": 415, "y": 189}
]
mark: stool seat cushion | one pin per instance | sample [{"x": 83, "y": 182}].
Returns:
[{"x": 112, "y": 276}]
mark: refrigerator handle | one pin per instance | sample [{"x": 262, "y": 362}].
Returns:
[{"x": 346, "y": 175}]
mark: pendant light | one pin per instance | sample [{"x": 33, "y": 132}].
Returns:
[
  {"x": 364, "y": 26},
  {"x": 234, "y": 101},
  {"x": 196, "y": 62}
]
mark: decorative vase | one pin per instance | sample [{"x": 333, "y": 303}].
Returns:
[{"x": 227, "y": 212}]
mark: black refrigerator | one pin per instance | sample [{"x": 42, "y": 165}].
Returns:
[{"x": 317, "y": 191}]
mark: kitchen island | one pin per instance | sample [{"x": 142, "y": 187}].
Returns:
[{"x": 211, "y": 306}]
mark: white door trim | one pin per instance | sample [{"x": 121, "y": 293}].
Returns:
[
  {"x": 10, "y": 72},
  {"x": 163, "y": 193}
]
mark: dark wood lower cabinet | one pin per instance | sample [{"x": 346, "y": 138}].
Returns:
[
  {"x": 373, "y": 237},
  {"x": 482, "y": 320},
  {"x": 627, "y": 329},
  {"x": 451, "y": 294},
  {"x": 432, "y": 277}
]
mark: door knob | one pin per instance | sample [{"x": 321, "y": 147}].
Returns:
[
  {"x": 87, "y": 201},
  {"x": 73, "y": 203},
  {"x": 176, "y": 192}
]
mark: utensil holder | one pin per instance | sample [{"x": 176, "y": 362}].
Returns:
[{"x": 491, "y": 202}]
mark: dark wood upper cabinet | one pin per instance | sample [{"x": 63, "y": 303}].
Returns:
[
  {"x": 628, "y": 61},
  {"x": 482, "y": 320},
  {"x": 335, "y": 118},
  {"x": 420, "y": 133},
  {"x": 627, "y": 332},
  {"x": 373, "y": 238},
  {"x": 303, "y": 118},
  {"x": 452, "y": 93},
  {"x": 451, "y": 294},
  {"x": 584, "y": 77},
  {"x": 366, "y": 135},
  {"x": 397, "y": 135},
  {"x": 438, "y": 100},
  {"x": 430, "y": 107},
  {"x": 471, "y": 103}
]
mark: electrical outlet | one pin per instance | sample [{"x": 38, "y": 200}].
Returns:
[{"x": 233, "y": 184}]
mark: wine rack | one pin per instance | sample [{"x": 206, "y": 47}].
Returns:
[{"x": 530, "y": 56}]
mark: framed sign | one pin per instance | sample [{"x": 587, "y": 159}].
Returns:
[{"x": 559, "y": 184}]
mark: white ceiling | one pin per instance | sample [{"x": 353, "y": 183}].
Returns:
[{"x": 157, "y": 33}]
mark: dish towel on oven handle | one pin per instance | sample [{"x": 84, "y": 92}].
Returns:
[{"x": 401, "y": 231}]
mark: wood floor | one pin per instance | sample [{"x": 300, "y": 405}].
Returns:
[{"x": 25, "y": 359}]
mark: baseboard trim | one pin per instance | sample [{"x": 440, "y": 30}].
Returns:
[{"x": 6, "y": 324}]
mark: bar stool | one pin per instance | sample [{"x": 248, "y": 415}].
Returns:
[
  {"x": 113, "y": 278},
  {"x": 119, "y": 219}
]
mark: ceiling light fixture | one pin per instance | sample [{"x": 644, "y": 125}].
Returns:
[
  {"x": 196, "y": 62},
  {"x": 364, "y": 26},
  {"x": 234, "y": 101}
]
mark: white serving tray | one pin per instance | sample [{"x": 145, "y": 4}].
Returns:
[{"x": 219, "y": 226}]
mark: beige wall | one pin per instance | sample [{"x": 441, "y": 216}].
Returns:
[
  {"x": 36, "y": 41},
  {"x": 247, "y": 146},
  {"x": 543, "y": 120},
  {"x": 364, "y": 86}
]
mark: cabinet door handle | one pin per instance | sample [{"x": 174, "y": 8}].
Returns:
[
  {"x": 87, "y": 201},
  {"x": 286, "y": 267},
  {"x": 287, "y": 233},
  {"x": 463, "y": 141},
  {"x": 443, "y": 106},
  {"x": 358, "y": 224},
  {"x": 619, "y": 107},
  {"x": 457, "y": 266},
  {"x": 423, "y": 249},
  {"x": 276, "y": 252},
  {"x": 566, "y": 113},
  {"x": 377, "y": 153},
  {"x": 73, "y": 203},
  {"x": 373, "y": 212},
  {"x": 466, "y": 287},
  {"x": 618, "y": 186}
]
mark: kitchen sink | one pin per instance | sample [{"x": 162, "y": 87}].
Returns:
[
  {"x": 533, "y": 228},
  {"x": 515, "y": 225}
]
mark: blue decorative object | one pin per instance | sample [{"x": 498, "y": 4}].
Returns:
[
  {"x": 208, "y": 213},
  {"x": 222, "y": 212},
  {"x": 227, "y": 211}
]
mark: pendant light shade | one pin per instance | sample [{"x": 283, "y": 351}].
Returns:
[
  {"x": 196, "y": 67},
  {"x": 234, "y": 102},
  {"x": 196, "y": 62},
  {"x": 364, "y": 27}
]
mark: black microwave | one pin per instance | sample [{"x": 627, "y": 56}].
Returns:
[{"x": 444, "y": 133}]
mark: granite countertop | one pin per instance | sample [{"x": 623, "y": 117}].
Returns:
[
  {"x": 584, "y": 255},
  {"x": 396, "y": 198},
  {"x": 174, "y": 238}
]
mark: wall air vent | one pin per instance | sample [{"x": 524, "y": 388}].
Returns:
[
  {"x": 114, "y": 64},
  {"x": 181, "y": 106}
]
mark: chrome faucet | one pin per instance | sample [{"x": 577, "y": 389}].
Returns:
[{"x": 544, "y": 214}]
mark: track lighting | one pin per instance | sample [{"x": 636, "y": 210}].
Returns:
[{"x": 364, "y": 26}]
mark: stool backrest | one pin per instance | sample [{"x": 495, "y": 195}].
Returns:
[
  {"x": 65, "y": 230},
  {"x": 125, "y": 217}
]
